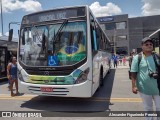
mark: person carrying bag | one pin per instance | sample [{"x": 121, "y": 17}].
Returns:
[{"x": 145, "y": 77}]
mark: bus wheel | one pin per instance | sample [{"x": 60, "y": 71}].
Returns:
[{"x": 109, "y": 71}]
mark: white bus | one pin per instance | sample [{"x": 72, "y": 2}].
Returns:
[{"x": 62, "y": 52}]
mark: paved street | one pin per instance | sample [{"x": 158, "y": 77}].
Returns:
[{"x": 115, "y": 95}]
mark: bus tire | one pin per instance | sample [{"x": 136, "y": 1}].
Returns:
[{"x": 109, "y": 71}]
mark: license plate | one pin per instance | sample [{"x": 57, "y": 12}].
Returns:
[{"x": 46, "y": 89}]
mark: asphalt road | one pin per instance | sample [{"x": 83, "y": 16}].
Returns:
[{"x": 115, "y": 95}]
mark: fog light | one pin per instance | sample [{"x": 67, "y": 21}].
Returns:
[{"x": 22, "y": 77}]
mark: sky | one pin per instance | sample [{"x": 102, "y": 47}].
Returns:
[{"x": 14, "y": 10}]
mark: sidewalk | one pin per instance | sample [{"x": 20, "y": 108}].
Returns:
[{"x": 121, "y": 66}]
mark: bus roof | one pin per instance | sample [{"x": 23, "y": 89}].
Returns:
[
  {"x": 58, "y": 8},
  {"x": 154, "y": 33},
  {"x": 55, "y": 14}
]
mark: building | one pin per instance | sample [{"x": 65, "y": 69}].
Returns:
[
  {"x": 11, "y": 46},
  {"x": 126, "y": 33},
  {"x": 140, "y": 27},
  {"x": 116, "y": 27}
]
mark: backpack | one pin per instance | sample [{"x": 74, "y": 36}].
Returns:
[{"x": 157, "y": 63}]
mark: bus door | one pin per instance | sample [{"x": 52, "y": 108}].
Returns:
[
  {"x": 95, "y": 63},
  {"x": 3, "y": 63}
]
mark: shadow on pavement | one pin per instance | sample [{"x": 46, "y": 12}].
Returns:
[
  {"x": 3, "y": 81},
  {"x": 106, "y": 90},
  {"x": 96, "y": 103},
  {"x": 20, "y": 94}
]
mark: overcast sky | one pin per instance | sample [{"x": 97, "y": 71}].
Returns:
[{"x": 14, "y": 10}]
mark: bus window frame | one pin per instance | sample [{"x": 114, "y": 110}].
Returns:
[{"x": 83, "y": 19}]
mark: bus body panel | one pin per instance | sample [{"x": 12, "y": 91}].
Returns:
[
  {"x": 100, "y": 57},
  {"x": 100, "y": 61},
  {"x": 77, "y": 90},
  {"x": 155, "y": 36}
]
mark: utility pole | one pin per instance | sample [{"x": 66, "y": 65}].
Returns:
[{"x": 1, "y": 17}]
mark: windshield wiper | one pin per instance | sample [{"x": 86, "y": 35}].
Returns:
[{"x": 54, "y": 39}]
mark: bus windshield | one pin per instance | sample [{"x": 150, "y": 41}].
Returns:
[{"x": 39, "y": 47}]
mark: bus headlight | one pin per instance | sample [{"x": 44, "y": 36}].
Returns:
[
  {"x": 21, "y": 77},
  {"x": 82, "y": 77}
]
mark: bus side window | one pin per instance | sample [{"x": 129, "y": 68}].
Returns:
[
  {"x": 94, "y": 40},
  {"x": 93, "y": 34},
  {"x": 99, "y": 36}
]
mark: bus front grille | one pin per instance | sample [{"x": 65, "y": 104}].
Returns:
[
  {"x": 51, "y": 73},
  {"x": 55, "y": 92}
]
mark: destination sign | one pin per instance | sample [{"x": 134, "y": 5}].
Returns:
[{"x": 53, "y": 15}]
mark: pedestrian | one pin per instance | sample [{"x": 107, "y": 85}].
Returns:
[
  {"x": 142, "y": 80},
  {"x": 124, "y": 61},
  {"x": 12, "y": 75},
  {"x": 131, "y": 58},
  {"x": 115, "y": 59}
]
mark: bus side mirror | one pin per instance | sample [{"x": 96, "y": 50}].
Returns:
[
  {"x": 23, "y": 39},
  {"x": 10, "y": 35}
]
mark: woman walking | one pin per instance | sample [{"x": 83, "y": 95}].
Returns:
[{"x": 12, "y": 75}]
